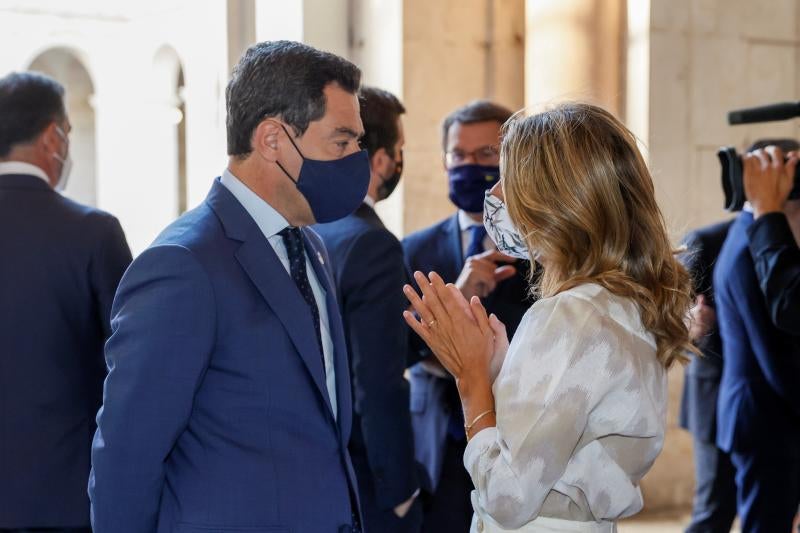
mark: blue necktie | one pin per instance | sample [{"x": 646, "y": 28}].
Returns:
[
  {"x": 477, "y": 234},
  {"x": 293, "y": 240}
]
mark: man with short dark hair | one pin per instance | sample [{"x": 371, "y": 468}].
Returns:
[
  {"x": 228, "y": 405},
  {"x": 368, "y": 268},
  {"x": 459, "y": 249},
  {"x": 61, "y": 263}
]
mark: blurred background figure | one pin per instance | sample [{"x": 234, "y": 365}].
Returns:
[
  {"x": 61, "y": 265},
  {"x": 459, "y": 249},
  {"x": 714, "y": 507},
  {"x": 367, "y": 261}
]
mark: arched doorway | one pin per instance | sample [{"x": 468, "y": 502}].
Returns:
[
  {"x": 169, "y": 125},
  {"x": 65, "y": 66}
]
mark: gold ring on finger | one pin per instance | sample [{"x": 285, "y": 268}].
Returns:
[{"x": 432, "y": 323}]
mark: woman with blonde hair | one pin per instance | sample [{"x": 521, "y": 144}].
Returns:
[{"x": 563, "y": 423}]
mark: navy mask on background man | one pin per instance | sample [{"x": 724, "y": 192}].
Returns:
[{"x": 469, "y": 183}]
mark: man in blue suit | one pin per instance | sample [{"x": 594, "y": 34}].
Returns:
[
  {"x": 368, "y": 265},
  {"x": 227, "y": 405},
  {"x": 461, "y": 252},
  {"x": 715, "y": 489},
  {"x": 61, "y": 263},
  {"x": 758, "y": 413}
]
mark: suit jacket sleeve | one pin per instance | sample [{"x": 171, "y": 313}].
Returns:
[
  {"x": 780, "y": 371},
  {"x": 777, "y": 259},
  {"x": 373, "y": 302},
  {"x": 163, "y": 332},
  {"x": 417, "y": 349},
  {"x": 108, "y": 264}
]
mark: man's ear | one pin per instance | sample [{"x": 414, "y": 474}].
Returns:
[
  {"x": 50, "y": 139},
  {"x": 265, "y": 139},
  {"x": 379, "y": 162}
]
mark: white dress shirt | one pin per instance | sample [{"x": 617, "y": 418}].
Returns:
[
  {"x": 271, "y": 223},
  {"x": 581, "y": 403},
  {"x": 20, "y": 167},
  {"x": 464, "y": 224}
]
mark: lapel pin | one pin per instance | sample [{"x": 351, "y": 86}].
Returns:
[{"x": 321, "y": 260}]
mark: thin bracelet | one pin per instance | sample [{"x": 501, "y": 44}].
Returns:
[{"x": 468, "y": 428}]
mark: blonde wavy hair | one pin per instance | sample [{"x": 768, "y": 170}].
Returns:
[{"x": 580, "y": 194}]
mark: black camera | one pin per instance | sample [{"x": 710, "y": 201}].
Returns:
[{"x": 732, "y": 174}]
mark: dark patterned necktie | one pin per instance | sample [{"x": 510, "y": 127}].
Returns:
[{"x": 293, "y": 240}]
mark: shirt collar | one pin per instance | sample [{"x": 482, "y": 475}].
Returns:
[
  {"x": 464, "y": 222},
  {"x": 20, "y": 167},
  {"x": 268, "y": 220},
  {"x": 369, "y": 201}
]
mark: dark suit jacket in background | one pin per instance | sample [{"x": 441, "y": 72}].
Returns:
[
  {"x": 61, "y": 263},
  {"x": 698, "y": 413},
  {"x": 216, "y": 415},
  {"x": 438, "y": 248},
  {"x": 368, "y": 267},
  {"x": 758, "y": 411},
  {"x": 777, "y": 260}
]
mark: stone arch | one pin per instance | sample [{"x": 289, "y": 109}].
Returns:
[{"x": 68, "y": 67}]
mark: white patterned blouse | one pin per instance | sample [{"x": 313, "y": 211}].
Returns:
[{"x": 581, "y": 403}]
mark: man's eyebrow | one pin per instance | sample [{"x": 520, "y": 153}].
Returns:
[{"x": 348, "y": 132}]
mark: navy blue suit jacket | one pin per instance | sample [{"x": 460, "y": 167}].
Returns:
[
  {"x": 759, "y": 397},
  {"x": 438, "y": 248},
  {"x": 698, "y": 412},
  {"x": 216, "y": 416},
  {"x": 777, "y": 259},
  {"x": 61, "y": 264},
  {"x": 369, "y": 271}
]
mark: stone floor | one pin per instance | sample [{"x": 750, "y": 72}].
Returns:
[{"x": 668, "y": 523}]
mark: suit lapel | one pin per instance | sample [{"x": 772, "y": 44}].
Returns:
[
  {"x": 341, "y": 361},
  {"x": 454, "y": 245},
  {"x": 270, "y": 278},
  {"x": 268, "y": 274}
]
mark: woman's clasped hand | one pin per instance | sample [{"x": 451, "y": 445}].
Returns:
[{"x": 467, "y": 341}]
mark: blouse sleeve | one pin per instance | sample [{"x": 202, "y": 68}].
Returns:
[{"x": 558, "y": 369}]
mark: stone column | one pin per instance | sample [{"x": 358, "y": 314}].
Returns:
[
  {"x": 454, "y": 51},
  {"x": 574, "y": 51},
  {"x": 241, "y": 26},
  {"x": 436, "y": 56}
]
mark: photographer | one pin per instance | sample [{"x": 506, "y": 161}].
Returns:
[
  {"x": 768, "y": 180},
  {"x": 758, "y": 408}
]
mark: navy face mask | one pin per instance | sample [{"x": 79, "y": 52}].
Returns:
[
  {"x": 333, "y": 189},
  {"x": 469, "y": 183}
]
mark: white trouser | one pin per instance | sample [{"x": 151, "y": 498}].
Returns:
[{"x": 543, "y": 525}]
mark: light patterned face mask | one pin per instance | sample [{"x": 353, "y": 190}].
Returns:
[{"x": 500, "y": 228}]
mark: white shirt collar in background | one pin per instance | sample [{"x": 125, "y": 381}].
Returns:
[{"x": 20, "y": 167}]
